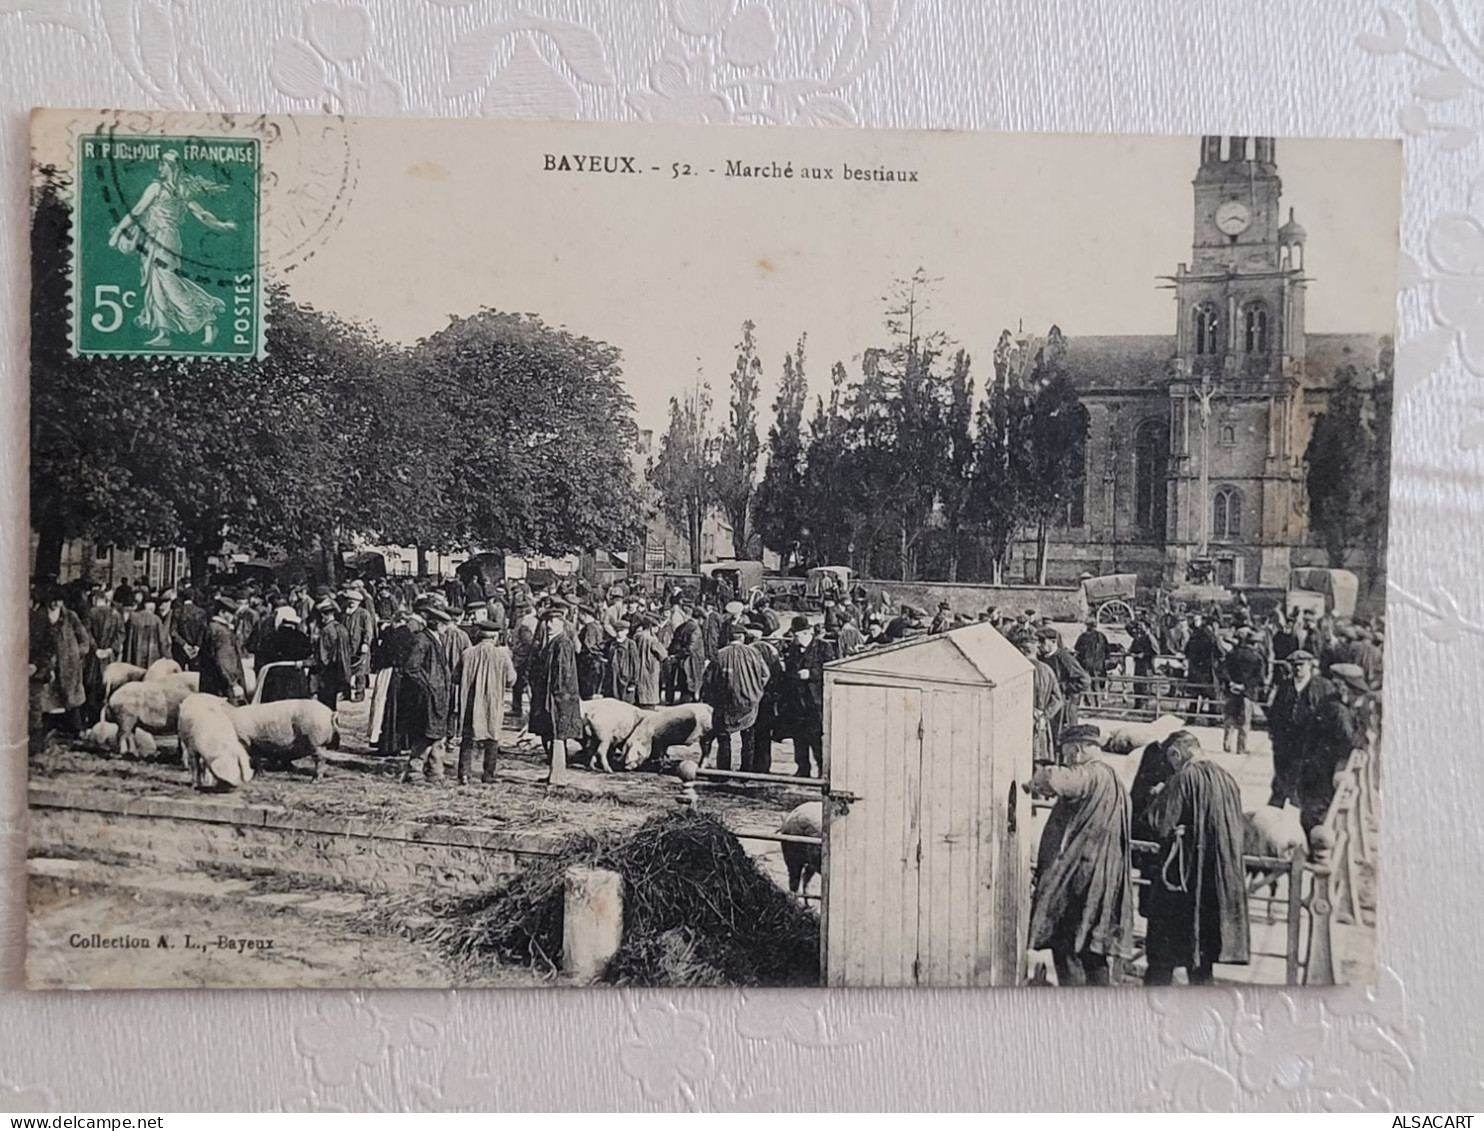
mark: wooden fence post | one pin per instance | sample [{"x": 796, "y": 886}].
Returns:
[
  {"x": 1321, "y": 969},
  {"x": 592, "y": 921}
]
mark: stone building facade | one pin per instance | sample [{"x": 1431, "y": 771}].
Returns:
[{"x": 1194, "y": 459}]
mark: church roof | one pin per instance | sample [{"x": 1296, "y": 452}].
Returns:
[{"x": 1118, "y": 361}]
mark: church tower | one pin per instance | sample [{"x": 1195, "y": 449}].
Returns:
[{"x": 1239, "y": 348}]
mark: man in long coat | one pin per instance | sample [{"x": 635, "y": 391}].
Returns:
[
  {"x": 522, "y": 651},
  {"x": 621, "y": 670},
  {"x": 332, "y": 656},
  {"x": 591, "y": 661},
  {"x": 556, "y": 708},
  {"x": 805, "y": 675},
  {"x": 1313, "y": 734},
  {"x": 688, "y": 653},
  {"x": 188, "y": 631},
  {"x": 1244, "y": 672},
  {"x": 650, "y": 660},
  {"x": 735, "y": 681},
  {"x": 145, "y": 637},
  {"x": 59, "y": 642},
  {"x": 455, "y": 643},
  {"x": 221, "y": 659},
  {"x": 360, "y": 624},
  {"x": 1070, "y": 675},
  {"x": 770, "y": 711},
  {"x": 1082, "y": 909},
  {"x": 1197, "y": 900},
  {"x": 485, "y": 674},
  {"x": 105, "y": 625},
  {"x": 424, "y": 694}
]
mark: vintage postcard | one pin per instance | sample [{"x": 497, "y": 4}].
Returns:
[{"x": 471, "y": 553}]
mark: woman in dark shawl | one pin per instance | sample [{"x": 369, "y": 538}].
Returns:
[
  {"x": 286, "y": 643},
  {"x": 1083, "y": 908},
  {"x": 1197, "y": 903}
]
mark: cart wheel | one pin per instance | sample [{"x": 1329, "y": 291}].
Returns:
[{"x": 1115, "y": 613}]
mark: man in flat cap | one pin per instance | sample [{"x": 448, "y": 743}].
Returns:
[
  {"x": 1313, "y": 734},
  {"x": 1082, "y": 908},
  {"x": 425, "y": 693},
  {"x": 332, "y": 655},
  {"x": 360, "y": 626},
  {"x": 687, "y": 655},
  {"x": 1046, "y": 701},
  {"x": 1244, "y": 671},
  {"x": 943, "y": 620},
  {"x": 734, "y": 685}
]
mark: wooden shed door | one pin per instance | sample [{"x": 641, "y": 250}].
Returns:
[{"x": 873, "y": 853}]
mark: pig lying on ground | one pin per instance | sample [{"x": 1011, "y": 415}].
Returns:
[
  {"x": 285, "y": 731},
  {"x": 1128, "y": 737},
  {"x": 152, "y": 704},
  {"x": 104, "y": 738},
  {"x": 802, "y": 860},
  {"x": 605, "y": 722},
  {"x": 209, "y": 742},
  {"x": 683, "y": 725},
  {"x": 1274, "y": 832},
  {"x": 161, "y": 668}
]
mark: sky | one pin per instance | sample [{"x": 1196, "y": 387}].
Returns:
[{"x": 450, "y": 216}]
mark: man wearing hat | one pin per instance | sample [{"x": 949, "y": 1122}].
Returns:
[
  {"x": 687, "y": 655},
  {"x": 221, "y": 658},
  {"x": 332, "y": 655},
  {"x": 734, "y": 686},
  {"x": 1082, "y": 908},
  {"x": 1196, "y": 902},
  {"x": 805, "y": 676},
  {"x": 649, "y": 659},
  {"x": 523, "y": 649},
  {"x": 1313, "y": 733},
  {"x": 105, "y": 625},
  {"x": 1070, "y": 675},
  {"x": 591, "y": 658},
  {"x": 360, "y": 626},
  {"x": 1046, "y": 697},
  {"x": 943, "y": 621},
  {"x": 621, "y": 664},
  {"x": 1091, "y": 650},
  {"x": 485, "y": 674},
  {"x": 1244, "y": 671},
  {"x": 556, "y": 708},
  {"x": 424, "y": 694}
]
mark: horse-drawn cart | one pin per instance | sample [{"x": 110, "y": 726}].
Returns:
[{"x": 1110, "y": 598}]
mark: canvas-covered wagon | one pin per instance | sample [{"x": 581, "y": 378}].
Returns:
[
  {"x": 1330, "y": 592},
  {"x": 1110, "y": 598}
]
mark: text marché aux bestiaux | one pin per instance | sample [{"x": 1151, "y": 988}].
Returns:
[{"x": 771, "y": 170}]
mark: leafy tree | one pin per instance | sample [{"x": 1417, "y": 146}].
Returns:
[
  {"x": 1056, "y": 442},
  {"x": 739, "y": 448},
  {"x": 780, "y": 504},
  {"x": 684, "y": 473},
  {"x": 998, "y": 484},
  {"x": 1339, "y": 471},
  {"x": 521, "y": 440}
]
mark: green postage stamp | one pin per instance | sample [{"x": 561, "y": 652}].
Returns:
[{"x": 165, "y": 246}]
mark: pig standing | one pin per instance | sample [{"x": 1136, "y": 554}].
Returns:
[
  {"x": 153, "y": 704},
  {"x": 286, "y": 730},
  {"x": 209, "y": 742},
  {"x": 605, "y": 722},
  {"x": 802, "y": 860}
]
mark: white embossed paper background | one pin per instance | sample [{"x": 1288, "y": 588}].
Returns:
[{"x": 1216, "y": 66}]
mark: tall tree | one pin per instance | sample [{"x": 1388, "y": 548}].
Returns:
[
  {"x": 1055, "y": 450},
  {"x": 739, "y": 448},
  {"x": 827, "y": 526},
  {"x": 999, "y": 485},
  {"x": 958, "y": 464},
  {"x": 1339, "y": 468},
  {"x": 780, "y": 507},
  {"x": 684, "y": 471}
]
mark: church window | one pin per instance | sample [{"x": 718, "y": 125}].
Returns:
[
  {"x": 1255, "y": 327},
  {"x": 1226, "y": 514},
  {"x": 1076, "y": 510},
  {"x": 1151, "y": 463},
  {"x": 1228, "y": 436},
  {"x": 1210, "y": 150},
  {"x": 1203, "y": 328}
]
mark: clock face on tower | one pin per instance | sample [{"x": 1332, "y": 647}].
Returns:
[{"x": 1232, "y": 217}]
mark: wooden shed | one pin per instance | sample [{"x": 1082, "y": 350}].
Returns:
[{"x": 927, "y": 831}]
